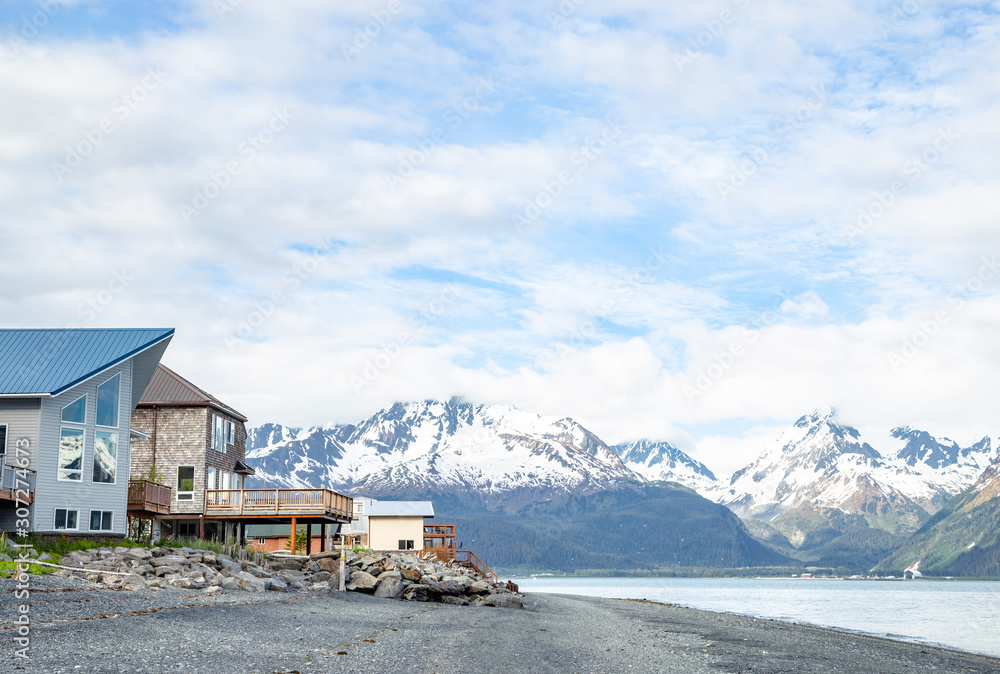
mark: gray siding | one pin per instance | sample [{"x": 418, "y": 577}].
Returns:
[
  {"x": 21, "y": 415},
  {"x": 85, "y": 495}
]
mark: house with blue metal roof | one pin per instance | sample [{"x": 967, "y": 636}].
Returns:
[{"x": 66, "y": 401}]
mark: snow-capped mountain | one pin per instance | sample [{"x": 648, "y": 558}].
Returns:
[
  {"x": 433, "y": 446},
  {"x": 823, "y": 464},
  {"x": 663, "y": 461}
]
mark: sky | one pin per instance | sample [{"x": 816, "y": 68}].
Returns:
[{"x": 691, "y": 222}]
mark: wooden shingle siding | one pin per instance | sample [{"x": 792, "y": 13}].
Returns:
[
  {"x": 184, "y": 438},
  {"x": 85, "y": 495}
]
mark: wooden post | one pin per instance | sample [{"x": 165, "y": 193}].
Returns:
[
  {"x": 201, "y": 527},
  {"x": 343, "y": 549},
  {"x": 292, "y": 539},
  {"x": 322, "y": 537}
]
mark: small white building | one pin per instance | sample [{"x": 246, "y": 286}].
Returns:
[{"x": 389, "y": 525}]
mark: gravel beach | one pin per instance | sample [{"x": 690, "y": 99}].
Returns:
[{"x": 81, "y": 627}]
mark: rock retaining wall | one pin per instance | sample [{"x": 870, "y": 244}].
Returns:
[{"x": 384, "y": 575}]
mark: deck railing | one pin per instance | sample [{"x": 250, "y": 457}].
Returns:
[
  {"x": 14, "y": 480},
  {"x": 440, "y": 537},
  {"x": 149, "y": 497},
  {"x": 469, "y": 559},
  {"x": 286, "y": 502}
]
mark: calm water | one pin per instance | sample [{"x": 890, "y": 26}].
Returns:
[{"x": 959, "y": 614}]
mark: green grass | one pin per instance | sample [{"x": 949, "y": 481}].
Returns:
[
  {"x": 193, "y": 543},
  {"x": 7, "y": 569},
  {"x": 60, "y": 546}
]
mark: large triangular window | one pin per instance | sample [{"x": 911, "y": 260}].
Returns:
[{"x": 76, "y": 411}]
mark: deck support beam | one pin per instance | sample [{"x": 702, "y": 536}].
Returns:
[{"x": 292, "y": 538}]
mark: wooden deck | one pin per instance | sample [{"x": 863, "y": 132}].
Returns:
[
  {"x": 281, "y": 503},
  {"x": 148, "y": 497}
]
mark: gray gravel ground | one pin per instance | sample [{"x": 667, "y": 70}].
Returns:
[{"x": 79, "y": 627}]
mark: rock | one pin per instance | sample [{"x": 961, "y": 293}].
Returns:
[
  {"x": 188, "y": 551},
  {"x": 211, "y": 590},
  {"x": 390, "y": 588},
  {"x": 169, "y": 560},
  {"x": 134, "y": 583},
  {"x": 390, "y": 574},
  {"x": 428, "y": 580},
  {"x": 168, "y": 571},
  {"x": 457, "y": 601},
  {"x": 283, "y": 563},
  {"x": 310, "y": 567},
  {"x": 145, "y": 570},
  {"x": 230, "y": 583},
  {"x": 365, "y": 582},
  {"x": 228, "y": 567},
  {"x": 137, "y": 553},
  {"x": 278, "y": 585},
  {"x": 183, "y": 583},
  {"x": 251, "y": 583},
  {"x": 255, "y": 570},
  {"x": 415, "y": 593},
  {"x": 505, "y": 600},
  {"x": 410, "y": 574},
  {"x": 328, "y": 564},
  {"x": 333, "y": 554},
  {"x": 321, "y": 588},
  {"x": 321, "y": 577},
  {"x": 449, "y": 587},
  {"x": 5, "y": 558},
  {"x": 44, "y": 557},
  {"x": 479, "y": 587},
  {"x": 208, "y": 558}
]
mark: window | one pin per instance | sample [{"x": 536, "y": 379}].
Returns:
[
  {"x": 185, "y": 483},
  {"x": 105, "y": 457},
  {"x": 187, "y": 529},
  {"x": 223, "y": 432},
  {"x": 100, "y": 520},
  {"x": 107, "y": 402},
  {"x": 225, "y": 480},
  {"x": 76, "y": 411},
  {"x": 210, "y": 478},
  {"x": 71, "y": 455},
  {"x": 260, "y": 541},
  {"x": 67, "y": 519},
  {"x": 3, "y": 439},
  {"x": 405, "y": 545}
]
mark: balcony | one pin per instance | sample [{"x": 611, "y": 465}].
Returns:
[
  {"x": 280, "y": 503},
  {"x": 16, "y": 484},
  {"x": 148, "y": 497},
  {"x": 441, "y": 539}
]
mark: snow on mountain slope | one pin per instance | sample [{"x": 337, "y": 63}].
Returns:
[
  {"x": 822, "y": 463},
  {"x": 488, "y": 449},
  {"x": 663, "y": 461}
]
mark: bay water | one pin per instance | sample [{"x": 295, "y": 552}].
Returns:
[{"x": 959, "y": 614}]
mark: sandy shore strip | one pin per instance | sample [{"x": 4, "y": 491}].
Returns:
[{"x": 80, "y": 627}]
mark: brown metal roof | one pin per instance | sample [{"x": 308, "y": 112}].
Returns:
[{"x": 169, "y": 388}]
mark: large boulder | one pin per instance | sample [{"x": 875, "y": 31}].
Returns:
[
  {"x": 390, "y": 588},
  {"x": 328, "y": 564},
  {"x": 361, "y": 581},
  {"x": 251, "y": 583},
  {"x": 505, "y": 600},
  {"x": 416, "y": 593},
  {"x": 278, "y": 585},
  {"x": 227, "y": 567},
  {"x": 169, "y": 560}
]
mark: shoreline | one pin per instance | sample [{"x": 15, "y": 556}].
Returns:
[{"x": 80, "y": 627}]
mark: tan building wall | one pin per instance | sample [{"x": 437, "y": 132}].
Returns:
[{"x": 385, "y": 533}]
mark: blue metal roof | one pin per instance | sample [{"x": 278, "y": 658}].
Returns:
[{"x": 51, "y": 361}]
